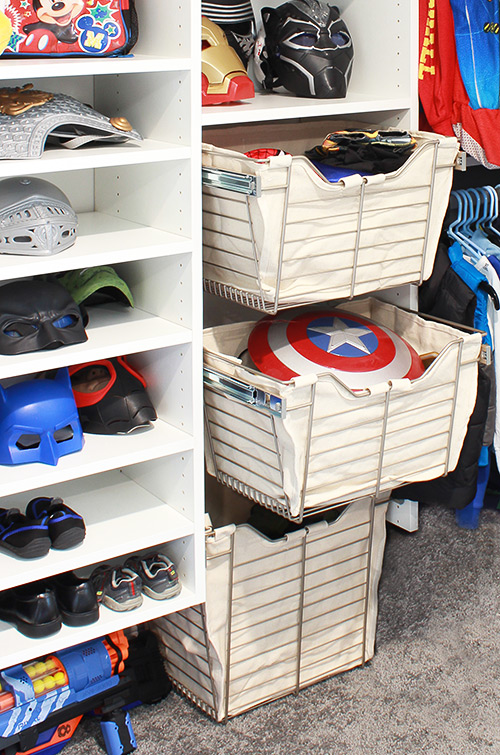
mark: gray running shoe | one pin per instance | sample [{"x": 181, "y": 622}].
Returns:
[
  {"x": 157, "y": 573},
  {"x": 120, "y": 588}
]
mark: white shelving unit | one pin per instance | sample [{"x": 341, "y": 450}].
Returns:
[{"x": 139, "y": 209}]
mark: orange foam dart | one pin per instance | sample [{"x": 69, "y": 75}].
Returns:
[{"x": 7, "y": 701}]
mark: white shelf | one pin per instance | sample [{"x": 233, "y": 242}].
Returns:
[
  {"x": 273, "y": 106},
  {"x": 120, "y": 517},
  {"x": 37, "y": 68},
  {"x": 100, "y": 453},
  {"x": 113, "y": 330},
  {"x": 16, "y": 648},
  {"x": 102, "y": 240},
  {"x": 101, "y": 156}
]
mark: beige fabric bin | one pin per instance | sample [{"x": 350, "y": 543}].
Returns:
[
  {"x": 310, "y": 442},
  {"x": 280, "y": 614},
  {"x": 277, "y": 234}
]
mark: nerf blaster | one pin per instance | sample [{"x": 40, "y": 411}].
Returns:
[{"x": 42, "y": 702}]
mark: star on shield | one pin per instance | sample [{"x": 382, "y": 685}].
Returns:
[{"x": 340, "y": 333}]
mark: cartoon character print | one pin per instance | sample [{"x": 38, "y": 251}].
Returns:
[{"x": 56, "y": 17}]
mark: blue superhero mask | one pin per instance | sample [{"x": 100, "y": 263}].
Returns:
[{"x": 39, "y": 421}]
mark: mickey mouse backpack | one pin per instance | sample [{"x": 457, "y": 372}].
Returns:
[{"x": 70, "y": 27}]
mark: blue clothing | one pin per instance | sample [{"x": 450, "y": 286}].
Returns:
[
  {"x": 472, "y": 278},
  {"x": 334, "y": 173},
  {"x": 478, "y": 50}
]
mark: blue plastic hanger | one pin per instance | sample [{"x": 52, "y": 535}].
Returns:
[{"x": 455, "y": 229}]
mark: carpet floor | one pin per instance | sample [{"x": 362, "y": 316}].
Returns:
[{"x": 432, "y": 686}]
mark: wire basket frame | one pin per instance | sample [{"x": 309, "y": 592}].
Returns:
[{"x": 295, "y": 612}]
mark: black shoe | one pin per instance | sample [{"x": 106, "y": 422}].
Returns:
[
  {"x": 76, "y": 598},
  {"x": 32, "y": 609},
  {"x": 22, "y": 536},
  {"x": 66, "y": 527}
]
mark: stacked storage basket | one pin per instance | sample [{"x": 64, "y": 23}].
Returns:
[
  {"x": 283, "y": 614},
  {"x": 280, "y": 614},
  {"x": 306, "y": 444},
  {"x": 276, "y": 233}
]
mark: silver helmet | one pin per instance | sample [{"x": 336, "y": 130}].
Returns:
[{"x": 35, "y": 217}]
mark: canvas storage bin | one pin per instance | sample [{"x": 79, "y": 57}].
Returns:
[
  {"x": 277, "y": 234},
  {"x": 310, "y": 442},
  {"x": 280, "y": 614}
]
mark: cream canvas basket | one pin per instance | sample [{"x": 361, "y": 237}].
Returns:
[
  {"x": 277, "y": 234},
  {"x": 308, "y": 443},
  {"x": 280, "y": 614}
]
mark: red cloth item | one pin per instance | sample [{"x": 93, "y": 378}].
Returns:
[
  {"x": 437, "y": 65},
  {"x": 442, "y": 93}
]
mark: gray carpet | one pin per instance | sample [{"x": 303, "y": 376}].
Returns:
[{"x": 432, "y": 687}]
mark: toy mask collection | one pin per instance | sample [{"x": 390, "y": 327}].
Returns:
[
  {"x": 305, "y": 47},
  {"x": 35, "y": 217},
  {"x": 111, "y": 397},
  {"x": 39, "y": 418},
  {"x": 223, "y": 76},
  {"x": 36, "y": 315},
  {"x": 39, "y": 421}
]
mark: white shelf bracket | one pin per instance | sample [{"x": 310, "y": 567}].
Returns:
[{"x": 403, "y": 514}]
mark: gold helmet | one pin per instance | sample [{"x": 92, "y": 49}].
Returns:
[{"x": 223, "y": 75}]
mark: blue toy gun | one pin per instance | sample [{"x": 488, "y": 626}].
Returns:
[{"x": 42, "y": 702}]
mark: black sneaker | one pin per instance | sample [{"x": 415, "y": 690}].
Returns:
[
  {"x": 66, "y": 527},
  {"x": 22, "y": 536},
  {"x": 117, "y": 588},
  {"x": 158, "y": 575}
]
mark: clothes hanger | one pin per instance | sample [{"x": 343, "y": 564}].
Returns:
[
  {"x": 455, "y": 229},
  {"x": 475, "y": 198},
  {"x": 480, "y": 209},
  {"x": 492, "y": 233}
]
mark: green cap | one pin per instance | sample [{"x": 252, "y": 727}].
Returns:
[{"x": 103, "y": 281}]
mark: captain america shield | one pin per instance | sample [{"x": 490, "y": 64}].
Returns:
[{"x": 358, "y": 351}]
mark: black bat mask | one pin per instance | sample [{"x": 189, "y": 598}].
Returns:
[{"x": 37, "y": 315}]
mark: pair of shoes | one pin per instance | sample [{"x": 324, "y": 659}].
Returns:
[
  {"x": 121, "y": 588},
  {"x": 38, "y": 609},
  {"x": 66, "y": 527},
  {"x": 48, "y": 523}
]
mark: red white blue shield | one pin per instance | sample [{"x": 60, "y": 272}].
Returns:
[{"x": 358, "y": 351}]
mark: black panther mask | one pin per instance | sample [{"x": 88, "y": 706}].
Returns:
[
  {"x": 111, "y": 397},
  {"x": 307, "y": 49},
  {"x": 36, "y": 315}
]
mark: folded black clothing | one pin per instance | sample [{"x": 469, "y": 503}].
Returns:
[{"x": 367, "y": 151}]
